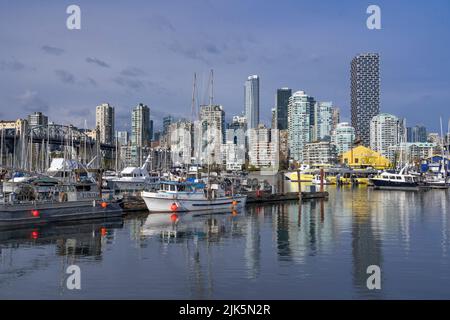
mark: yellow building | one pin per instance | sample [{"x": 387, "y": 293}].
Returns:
[{"x": 362, "y": 157}]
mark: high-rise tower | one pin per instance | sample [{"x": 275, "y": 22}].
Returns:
[
  {"x": 365, "y": 93},
  {"x": 252, "y": 101}
]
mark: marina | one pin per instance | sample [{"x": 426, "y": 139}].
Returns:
[{"x": 252, "y": 158}]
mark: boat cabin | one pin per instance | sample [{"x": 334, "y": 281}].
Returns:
[
  {"x": 398, "y": 177},
  {"x": 175, "y": 186}
]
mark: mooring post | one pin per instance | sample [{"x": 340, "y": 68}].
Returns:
[
  {"x": 321, "y": 179},
  {"x": 299, "y": 184}
]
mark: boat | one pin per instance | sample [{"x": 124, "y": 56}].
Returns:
[
  {"x": 306, "y": 174},
  {"x": 317, "y": 180},
  {"x": 437, "y": 181},
  {"x": 44, "y": 200},
  {"x": 397, "y": 181},
  {"x": 107, "y": 179},
  {"x": 135, "y": 179},
  {"x": 183, "y": 196},
  {"x": 65, "y": 193}
]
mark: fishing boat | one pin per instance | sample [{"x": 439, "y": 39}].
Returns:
[
  {"x": 191, "y": 196},
  {"x": 44, "y": 200}
]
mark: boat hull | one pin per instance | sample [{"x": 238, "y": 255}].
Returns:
[
  {"x": 157, "y": 202},
  {"x": 35, "y": 214},
  {"x": 395, "y": 185}
]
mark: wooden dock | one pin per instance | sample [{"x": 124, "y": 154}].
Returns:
[
  {"x": 132, "y": 203},
  {"x": 290, "y": 196}
]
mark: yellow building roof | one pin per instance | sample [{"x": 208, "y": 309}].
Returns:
[{"x": 364, "y": 157}]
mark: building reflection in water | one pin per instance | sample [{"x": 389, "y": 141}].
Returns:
[
  {"x": 366, "y": 240},
  {"x": 303, "y": 231}
]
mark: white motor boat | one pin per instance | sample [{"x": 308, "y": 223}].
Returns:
[
  {"x": 316, "y": 180},
  {"x": 438, "y": 181},
  {"x": 191, "y": 196},
  {"x": 135, "y": 179}
]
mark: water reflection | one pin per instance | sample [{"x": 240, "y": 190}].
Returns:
[{"x": 319, "y": 249}]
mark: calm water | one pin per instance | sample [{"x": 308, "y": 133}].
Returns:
[{"x": 320, "y": 250}]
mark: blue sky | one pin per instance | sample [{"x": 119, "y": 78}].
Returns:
[{"x": 129, "y": 52}]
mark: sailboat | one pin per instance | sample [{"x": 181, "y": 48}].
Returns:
[{"x": 439, "y": 180}]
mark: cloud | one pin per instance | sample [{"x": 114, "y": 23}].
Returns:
[
  {"x": 130, "y": 83},
  {"x": 211, "y": 52},
  {"x": 161, "y": 23},
  {"x": 190, "y": 52},
  {"x": 65, "y": 76},
  {"x": 14, "y": 65},
  {"x": 52, "y": 50},
  {"x": 212, "y": 48},
  {"x": 30, "y": 101},
  {"x": 98, "y": 62},
  {"x": 91, "y": 82},
  {"x": 132, "y": 72},
  {"x": 123, "y": 119}
]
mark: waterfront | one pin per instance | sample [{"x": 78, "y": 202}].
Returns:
[{"x": 280, "y": 251}]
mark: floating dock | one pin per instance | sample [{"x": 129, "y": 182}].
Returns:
[{"x": 263, "y": 197}]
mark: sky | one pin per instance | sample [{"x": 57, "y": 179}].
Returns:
[{"x": 130, "y": 52}]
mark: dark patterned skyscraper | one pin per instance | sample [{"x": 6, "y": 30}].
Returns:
[{"x": 365, "y": 93}]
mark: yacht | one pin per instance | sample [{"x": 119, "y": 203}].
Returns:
[
  {"x": 316, "y": 180},
  {"x": 437, "y": 181},
  {"x": 135, "y": 179},
  {"x": 397, "y": 181},
  {"x": 174, "y": 196}
]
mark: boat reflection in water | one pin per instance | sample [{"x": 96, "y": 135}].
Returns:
[
  {"x": 199, "y": 224},
  {"x": 84, "y": 237},
  {"x": 70, "y": 243},
  {"x": 319, "y": 249}
]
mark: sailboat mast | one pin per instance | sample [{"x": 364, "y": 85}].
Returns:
[{"x": 211, "y": 94}]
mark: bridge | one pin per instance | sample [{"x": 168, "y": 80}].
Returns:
[
  {"x": 30, "y": 148},
  {"x": 54, "y": 134}
]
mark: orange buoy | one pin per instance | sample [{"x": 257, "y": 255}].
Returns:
[
  {"x": 104, "y": 204},
  {"x": 234, "y": 203},
  {"x": 174, "y": 217},
  {"x": 35, "y": 213},
  {"x": 174, "y": 207}
]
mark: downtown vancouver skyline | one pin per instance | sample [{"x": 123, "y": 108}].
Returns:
[{"x": 147, "y": 53}]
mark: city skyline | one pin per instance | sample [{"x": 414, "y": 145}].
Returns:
[{"x": 67, "y": 73}]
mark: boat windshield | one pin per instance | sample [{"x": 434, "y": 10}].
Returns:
[{"x": 181, "y": 187}]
